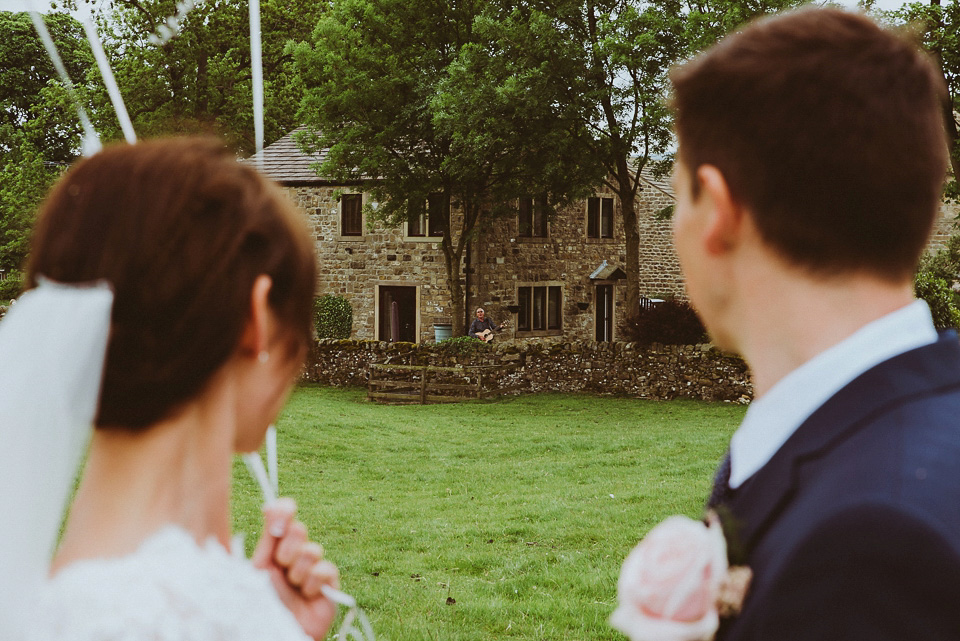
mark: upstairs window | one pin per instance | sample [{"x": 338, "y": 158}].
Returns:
[
  {"x": 599, "y": 217},
  {"x": 540, "y": 308},
  {"x": 426, "y": 219},
  {"x": 532, "y": 219},
  {"x": 351, "y": 215},
  {"x": 436, "y": 215}
]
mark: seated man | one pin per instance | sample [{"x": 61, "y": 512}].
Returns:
[{"x": 482, "y": 327}]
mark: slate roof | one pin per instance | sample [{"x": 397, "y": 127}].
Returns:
[
  {"x": 608, "y": 272},
  {"x": 286, "y": 164},
  {"x": 663, "y": 184}
]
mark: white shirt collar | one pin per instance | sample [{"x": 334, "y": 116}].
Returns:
[{"x": 773, "y": 419}]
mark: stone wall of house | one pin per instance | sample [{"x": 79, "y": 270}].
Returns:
[
  {"x": 353, "y": 267},
  {"x": 660, "y": 274},
  {"x": 503, "y": 262},
  {"x": 944, "y": 227},
  {"x": 657, "y": 372},
  {"x": 500, "y": 261}
]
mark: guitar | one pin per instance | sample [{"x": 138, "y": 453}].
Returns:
[{"x": 487, "y": 335}]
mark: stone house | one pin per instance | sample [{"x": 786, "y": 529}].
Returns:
[
  {"x": 560, "y": 277},
  {"x": 551, "y": 278}
]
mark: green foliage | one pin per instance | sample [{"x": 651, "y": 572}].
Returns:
[
  {"x": 442, "y": 98},
  {"x": 672, "y": 322},
  {"x": 461, "y": 345},
  {"x": 665, "y": 214},
  {"x": 945, "y": 263},
  {"x": 199, "y": 82},
  {"x": 615, "y": 56},
  {"x": 24, "y": 181},
  {"x": 11, "y": 287},
  {"x": 332, "y": 316},
  {"x": 938, "y": 26},
  {"x": 521, "y": 510},
  {"x": 939, "y": 297},
  {"x": 33, "y": 105}
]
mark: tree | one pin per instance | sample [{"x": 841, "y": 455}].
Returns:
[
  {"x": 620, "y": 53},
  {"x": 421, "y": 97},
  {"x": 33, "y": 105},
  {"x": 199, "y": 81},
  {"x": 24, "y": 181},
  {"x": 39, "y": 130},
  {"x": 939, "y": 27}
]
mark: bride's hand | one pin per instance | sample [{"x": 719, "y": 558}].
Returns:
[{"x": 297, "y": 568}]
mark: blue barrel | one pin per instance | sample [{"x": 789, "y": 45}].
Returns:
[{"x": 442, "y": 331}]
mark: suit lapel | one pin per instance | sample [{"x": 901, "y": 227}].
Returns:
[{"x": 925, "y": 370}]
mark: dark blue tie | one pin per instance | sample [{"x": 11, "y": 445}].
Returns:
[{"x": 721, "y": 483}]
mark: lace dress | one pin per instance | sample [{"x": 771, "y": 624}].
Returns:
[{"x": 170, "y": 589}]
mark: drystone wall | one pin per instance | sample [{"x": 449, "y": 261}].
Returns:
[{"x": 657, "y": 372}]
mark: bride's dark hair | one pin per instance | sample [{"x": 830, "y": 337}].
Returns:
[{"x": 180, "y": 230}]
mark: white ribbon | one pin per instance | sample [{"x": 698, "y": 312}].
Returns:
[
  {"x": 52, "y": 347},
  {"x": 267, "y": 480}
]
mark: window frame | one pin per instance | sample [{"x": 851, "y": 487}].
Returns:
[
  {"x": 429, "y": 228},
  {"x": 600, "y": 217},
  {"x": 346, "y": 230},
  {"x": 540, "y": 309},
  {"x": 532, "y": 217}
]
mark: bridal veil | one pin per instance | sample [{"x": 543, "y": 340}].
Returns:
[{"x": 52, "y": 347}]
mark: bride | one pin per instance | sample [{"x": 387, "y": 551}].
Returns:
[{"x": 188, "y": 279}]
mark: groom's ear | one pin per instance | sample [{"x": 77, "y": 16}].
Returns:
[{"x": 726, "y": 217}]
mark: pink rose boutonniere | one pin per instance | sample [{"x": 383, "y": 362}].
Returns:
[{"x": 676, "y": 584}]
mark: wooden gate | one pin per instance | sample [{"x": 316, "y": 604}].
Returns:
[{"x": 432, "y": 384}]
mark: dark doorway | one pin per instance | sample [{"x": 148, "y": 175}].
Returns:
[
  {"x": 398, "y": 314},
  {"x": 605, "y": 312}
]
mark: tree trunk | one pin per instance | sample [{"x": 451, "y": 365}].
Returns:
[
  {"x": 953, "y": 137},
  {"x": 631, "y": 232},
  {"x": 452, "y": 259},
  {"x": 626, "y": 190},
  {"x": 950, "y": 122}
]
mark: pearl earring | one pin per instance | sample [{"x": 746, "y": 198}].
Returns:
[{"x": 263, "y": 357}]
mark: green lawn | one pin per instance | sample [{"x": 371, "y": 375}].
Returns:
[{"x": 488, "y": 520}]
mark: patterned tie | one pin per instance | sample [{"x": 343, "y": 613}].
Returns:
[{"x": 721, "y": 483}]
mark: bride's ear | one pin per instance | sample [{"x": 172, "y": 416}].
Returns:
[{"x": 255, "y": 339}]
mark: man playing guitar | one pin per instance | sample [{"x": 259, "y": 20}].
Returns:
[{"x": 483, "y": 328}]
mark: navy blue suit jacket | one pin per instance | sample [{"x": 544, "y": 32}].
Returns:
[{"x": 853, "y": 527}]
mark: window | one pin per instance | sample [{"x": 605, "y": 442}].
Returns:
[
  {"x": 426, "y": 219},
  {"x": 436, "y": 214},
  {"x": 540, "y": 308},
  {"x": 351, "y": 215},
  {"x": 600, "y": 218},
  {"x": 532, "y": 219}
]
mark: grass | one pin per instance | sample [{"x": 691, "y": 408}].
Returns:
[{"x": 488, "y": 520}]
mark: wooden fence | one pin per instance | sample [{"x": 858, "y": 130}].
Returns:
[{"x": 432, "y": 384}]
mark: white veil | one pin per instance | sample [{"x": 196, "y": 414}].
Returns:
[{"x": 52, "y": 346}]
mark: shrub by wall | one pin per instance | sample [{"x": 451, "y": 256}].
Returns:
[
  {"x": 671, "y": 322},
  {"x": 332, "y": 316},
  {"x": 626, "y": 369}
]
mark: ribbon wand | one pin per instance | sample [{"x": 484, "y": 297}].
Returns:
[{"x": 268, "y": 485}]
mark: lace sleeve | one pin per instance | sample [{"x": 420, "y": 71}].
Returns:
[{"x": 169, "y": 590}]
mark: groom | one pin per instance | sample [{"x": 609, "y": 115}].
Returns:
[{"x": 810, "y": 166}]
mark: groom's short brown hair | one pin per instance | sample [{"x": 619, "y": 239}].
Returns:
[{"x": 829, "y": 130}]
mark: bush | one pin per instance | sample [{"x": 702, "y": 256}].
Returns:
[
  {"x": 332, "y": 316},
  {"x": 10, "y": 288},
  {"x": 939, "y": 297},
  {"x": 945, "y": 263},
  {"x": 460, "y": 346},
  {"x": 672, "y": 322}
]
